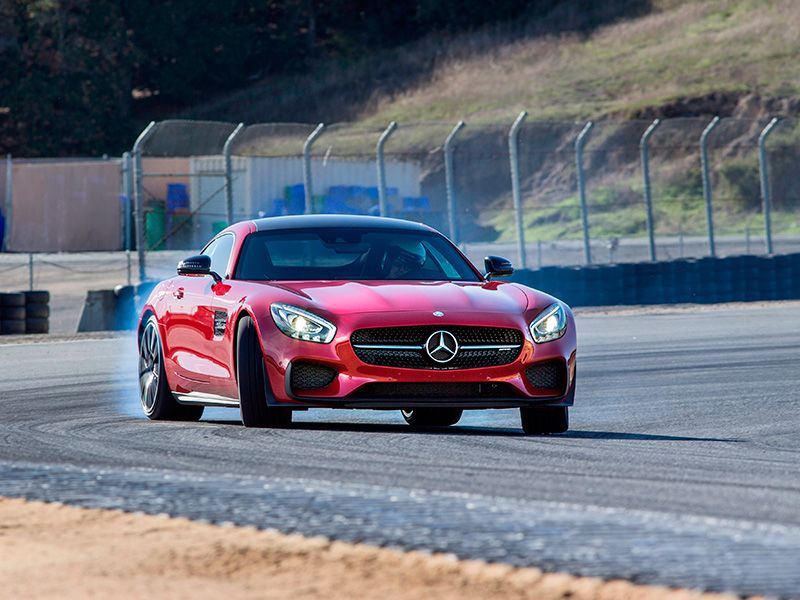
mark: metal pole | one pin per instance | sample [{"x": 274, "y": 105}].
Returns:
[
  {"x": 127, "y": 190},
  {"x": 580, "y": 142},
  {"x": 307, "y": 181},
  {"x": 382, "y": 209},
  {"x": 763, "y": 166},
  {"x": 138, "y": 196},
  {"x": 448, "y": 180},
  {"x": 516, "y": 191},
  {"x": 30, "y": 271},
  {"x": 9, "y": 199},
  {"x": 226, "y": 152},
  {"x": 128, "y": 257},
  {"x": 648, "y": 198},
  {"x": 707, "y": 194}
]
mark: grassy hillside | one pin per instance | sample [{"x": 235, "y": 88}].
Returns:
[{"x": 680, "y": 50}]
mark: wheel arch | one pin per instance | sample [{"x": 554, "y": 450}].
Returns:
[
  {"x": 146, "y": 314},
  {"x": 244, "y": 311}
]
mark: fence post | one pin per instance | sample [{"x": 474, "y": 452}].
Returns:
[
  {"x": 648, "y": 198},
  {"x": 127, "y": 190},
  {"x": 9, "y": 198},
  {"x": 382, "y": 167},
  {"x": 138, "y": 197},
  {"x": 580, "y": 142},
  {"x": 30, "y": 271},
  {"x": 307, "y": 181},
  {"x": 516, "y": 191},
  {"x": 763, "y": 167},
  {"x": 448, "y": 180},
  {"x": 707, "y": 194},
  {"x": 226, "y": 153}
]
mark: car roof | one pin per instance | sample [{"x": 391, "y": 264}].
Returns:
[{"x": 324, "y": 221}]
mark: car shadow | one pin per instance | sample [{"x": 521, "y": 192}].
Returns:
[{"x": 471, "y": 430}]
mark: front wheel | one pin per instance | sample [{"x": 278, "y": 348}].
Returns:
[
  {"x": 432, "y": 417},
  {"x": 157, "y": 400},
  {"x": 540, "y": 420},
  {"x": 253, "y": 384}
]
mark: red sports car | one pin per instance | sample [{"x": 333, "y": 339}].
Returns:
[{"x": 328, "y": 311}]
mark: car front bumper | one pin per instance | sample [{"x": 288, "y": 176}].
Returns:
[{"x": 353, "y": 381}]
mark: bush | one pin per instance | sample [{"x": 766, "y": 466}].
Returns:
[{"x": 740, "y": 182}]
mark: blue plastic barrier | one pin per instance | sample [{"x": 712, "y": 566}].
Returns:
[
  {"x": 703, "y": 280},
  {"x": 177, "y": 197}
]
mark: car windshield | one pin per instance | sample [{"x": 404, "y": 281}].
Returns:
[{"x": 351, "y": 254}]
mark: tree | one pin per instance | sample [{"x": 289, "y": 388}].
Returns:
[{"x": 66, "y": 75}]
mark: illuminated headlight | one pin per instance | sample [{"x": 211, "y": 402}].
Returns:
[
  {"x": 301, "y": 324},
  {"x": 550, "y": 325}
]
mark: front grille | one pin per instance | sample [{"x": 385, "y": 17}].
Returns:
[
  {"x": 435, "y": 391},
  {"x": 551, "y": 375},
  {"x": 309, "y": 376},
  {"x": 418, "y": 358}
]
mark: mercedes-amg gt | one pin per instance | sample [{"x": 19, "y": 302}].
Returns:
[{"x": 292, "y": 313}]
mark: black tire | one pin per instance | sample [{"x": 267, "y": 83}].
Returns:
[
  {"x": 253, "y": 384},
  {"x": 12, "y": 327},
  {"x": 37, "y": 297},
  {"x": 13, "y": 313},
  {"x": 432, "y": 417},
  {"x": 157, "y": 400},
  {"x": 37, "y": 311},
  {"x": 12, "y": 299},
  {"x": 37, "y": 325},
  {"x": 542, "y": 420}
]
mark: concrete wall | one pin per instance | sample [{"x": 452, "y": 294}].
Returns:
[
  {"x": 158, "y": 172},
  {"x": 65, "y": 206}
]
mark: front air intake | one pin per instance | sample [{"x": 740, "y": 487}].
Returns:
[
  {"x": 550, "y": 375},
  {"x": 311, "y": 376}
]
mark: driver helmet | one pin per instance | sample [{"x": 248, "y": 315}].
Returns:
[{"x": 410, "y": 254}]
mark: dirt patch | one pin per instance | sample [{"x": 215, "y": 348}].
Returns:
[{"x": 56, "y": 551}]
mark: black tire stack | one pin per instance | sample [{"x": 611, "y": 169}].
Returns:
[
  {"x": 24, "y": 312},
  {"x": 37, "y": 311}
]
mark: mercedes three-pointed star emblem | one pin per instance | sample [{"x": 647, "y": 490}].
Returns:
[{"x": 442, "y": 346}]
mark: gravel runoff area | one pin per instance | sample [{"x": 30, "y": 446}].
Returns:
[{"x": 58, "y": 551}]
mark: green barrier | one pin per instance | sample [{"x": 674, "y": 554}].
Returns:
[{"x": 154, "y": 225}]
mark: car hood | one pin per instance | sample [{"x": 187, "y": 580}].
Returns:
[{"x": 351, "y": 297}]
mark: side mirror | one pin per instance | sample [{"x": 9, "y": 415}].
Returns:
[
  {"x": 497, "y": 266},
  {"x": 197, "y": 266}
]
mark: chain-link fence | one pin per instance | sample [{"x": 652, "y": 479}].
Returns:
[{"x": 543, "y": 193}]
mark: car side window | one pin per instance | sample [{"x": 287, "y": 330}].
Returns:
[{"x": 220, "y": 252}]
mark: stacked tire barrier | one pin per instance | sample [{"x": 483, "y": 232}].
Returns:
[
  {"x": 701, "y": 281},
  {"x": 24, "y": 312}
]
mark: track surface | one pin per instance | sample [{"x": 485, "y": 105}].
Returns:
[{"x": 682, "y": 465}]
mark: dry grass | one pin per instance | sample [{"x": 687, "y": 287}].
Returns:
[{"x": 683, "y": 49}]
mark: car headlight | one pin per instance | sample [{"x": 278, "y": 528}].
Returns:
[
  {"x": 301, "y": 324},
  {"x": 550, "y": 325}
]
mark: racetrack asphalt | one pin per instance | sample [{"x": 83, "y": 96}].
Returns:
[{"x": 681, "y": 467}]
